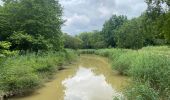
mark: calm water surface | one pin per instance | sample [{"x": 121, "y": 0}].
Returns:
[{"x": 90, "y": 78}]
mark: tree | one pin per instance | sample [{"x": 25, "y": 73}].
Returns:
[
  {"x": 129, "y": 35},
  {"x": 5, "y": 27},
  {"x": 166, "y": 28},
  {"x": 35, "y": 18},
  {"x": 72, "y": 42},
  {"x": 110, "y": 27},
  {"x": 159, "y": 13},
  {"x": 92, "y": 40},
  {"x": 86, "y": 38},
  {"x": 23, "y": 41},
  {"x": 4, "y": 50}
]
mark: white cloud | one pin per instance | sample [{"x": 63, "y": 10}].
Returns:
[
  {"x": 104, "y": 11},
  {"x": 1, "y": 2},
  {"x": 88, "y": 15},
  {"x": 77, "y": 19}
]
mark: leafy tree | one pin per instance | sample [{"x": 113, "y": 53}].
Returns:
[
  {"x": 72, "y": 42},
  {"x": 34, "y": 17},
  {"x": 92, "y": 40},
  {"x": 129, "y": 35},
  {"x": 166, "y": 29},
  {"x": 85, "y": 37},
  {"x": 23, "y": 41},
  {"x": 159, "y": 13},
  {"x": 110, "y": 27},
  {"x": 4, "y": 49},
  {"x": 5, "y": 28}
]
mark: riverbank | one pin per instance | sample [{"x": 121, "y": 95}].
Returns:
[
  {"x": 90, "y": 73},
  {"x": 149, "y": 68},
  {"x": 22, "y": 74}
]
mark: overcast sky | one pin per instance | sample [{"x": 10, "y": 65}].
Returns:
[{"x": 88, "y": 15}]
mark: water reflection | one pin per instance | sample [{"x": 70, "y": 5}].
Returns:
[{"x": 85, "y": 85}]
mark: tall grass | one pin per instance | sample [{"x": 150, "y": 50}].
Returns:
[
  {"x": 23, "y": 73},
  {"x": 148, "y": 67}
]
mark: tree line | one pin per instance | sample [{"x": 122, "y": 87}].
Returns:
[
  {"x": 152, "y": 27},
  {"x": 31, "y": 25}
]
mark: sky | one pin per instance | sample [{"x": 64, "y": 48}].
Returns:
[
  {"x": 89, "y": 15},
  {"x": 0, "y": 2}
]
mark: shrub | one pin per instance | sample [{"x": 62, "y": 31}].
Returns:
[
  {"x": 22, "y": 73},
  {"x": 140, "y": 91},
  {"x": 154, "y": 69},
  {"x": 18, "y": 79},
  {"x": 87, "y": 51},
  {"x": 123, "y": 63},
  {"x": 4, "y": 49},
  {"x": 21, "y": 40},
  {"x": 149, "y": 65}
]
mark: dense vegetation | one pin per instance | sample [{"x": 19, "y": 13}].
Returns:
[
  {"x": 149, "y": 68},
  {"x": 151, "y": 28},
  {"x": 32, "y": 47},
  {"x": 31, "y": 44},
  {"x": 31, "y": 25},
  {"x": 135, "y": 33},
  {"x": 23, "y": 73}
]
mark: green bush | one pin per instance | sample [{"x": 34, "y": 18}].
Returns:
[
  {"x": 153, "y": 68},
  {"x": 149, "y": 65},
  {"x": 104, "y": 52},
  {"x": 87, "y": 51},
  {"x": 140, "y": 91},
  {"x": 4, "y": 49},
  {"x": 18, "y": 79},
  {"x": 23, "y": 73},
  {"x": 123, "y": 63}
]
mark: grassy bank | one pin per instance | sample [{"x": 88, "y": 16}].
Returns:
[
  {"x": 148, "y": 67},
  {"x": 24, "y": 73}
]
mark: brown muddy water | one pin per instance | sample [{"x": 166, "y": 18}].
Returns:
[{"x": 90, "y": 78}]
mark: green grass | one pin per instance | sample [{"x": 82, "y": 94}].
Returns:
[
  {"x": 24, "y": 73},
  {"x": 149, "y": 69}
]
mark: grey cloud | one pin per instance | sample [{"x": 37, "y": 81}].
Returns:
[
  {"x": 0, "y": 2},
  {"x": 88, "y": 15}
]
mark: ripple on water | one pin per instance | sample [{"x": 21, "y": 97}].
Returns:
[{"x": 85, "y": 85}]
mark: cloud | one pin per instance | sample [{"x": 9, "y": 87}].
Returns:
[
  {"x": 1, "y": 2},
  {"x": 88, "y": 15}
]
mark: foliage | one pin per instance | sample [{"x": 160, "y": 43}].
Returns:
[
  {"x": 92, "y": 40},
  {"x": 158, "y": 10},
  {"x": 148, "y": 65},
  {"x": 21, "y": 40},
  {"x": 24, "y": 73},
  {"x": 31, "y": 19},
  {"x": 166, "y": 29},
  {"x": 140, "y": 91},
  {"x": 134, "y": 33},
  {"x": 18, "y": 79},
  {"x": 154, "y": 69},
  {"x": 124, "y": 62},
  {"x": 129, "y": 35},
  {"x": 4, "y": 49},
  {"x": 110, "y": 27},
  {"x": 72, "y": 42}
]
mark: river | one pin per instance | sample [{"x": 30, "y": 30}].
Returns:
[{"x": 90, "y": 78}]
